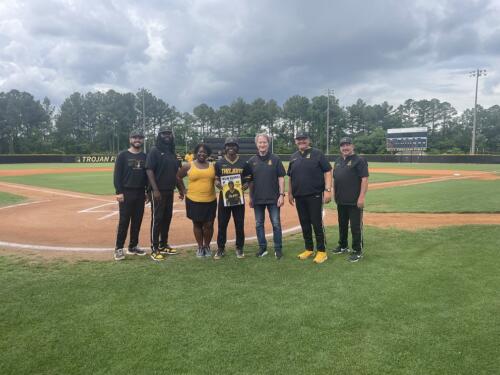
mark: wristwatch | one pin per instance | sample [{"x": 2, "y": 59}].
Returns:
[
  {"x": 328, "y": 190},
  {"x": 283, "y": 194}
]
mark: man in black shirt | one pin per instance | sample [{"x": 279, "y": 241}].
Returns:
[
  {"x": 162, "y": 165},
  {"x": 130, "y": 182},
  {"x": 229, "y": 165},
  {"x": 309, "y": 185},
  {"x": 267, "y": 191},
  {"x": 350, "y": 177}
]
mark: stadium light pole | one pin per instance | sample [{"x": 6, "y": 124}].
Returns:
[
  {"x": 144, "y": 120},
  {"x": 328, "y": 121},
  {"x": 477, "y": 73}
]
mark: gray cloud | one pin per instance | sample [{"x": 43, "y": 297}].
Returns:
[{"x": 189, "y": 52}]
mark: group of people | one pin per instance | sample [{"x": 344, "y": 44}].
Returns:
[{"x": 141, "y": 178}]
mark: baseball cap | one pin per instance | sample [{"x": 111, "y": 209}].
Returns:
[
  {"x": 165, "y": 129},
  {"x": 136, "y": 133},
  {"x": 345, "y": 140},
  {"x": 231, "y": 140},
  {"x": 301, "y": 135}
]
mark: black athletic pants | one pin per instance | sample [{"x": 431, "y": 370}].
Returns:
[
  {"x": 223, "y": 216},
  {"x": 354, "y": 215},
  {"x": 161, "y": 216},
  {"x": 131, "y": 213},
  {"x": 310, "y": 211}
]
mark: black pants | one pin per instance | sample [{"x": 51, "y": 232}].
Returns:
[
  {"x": 310, "y": 211},
  {"x": 131, "y": 213},
  {"x": 223, "y": 216},
  {"x": 161, "y": 216},
  {"x": 354, "y": 215}
]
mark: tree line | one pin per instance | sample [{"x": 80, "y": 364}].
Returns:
[{"x": 99, "y": 122}]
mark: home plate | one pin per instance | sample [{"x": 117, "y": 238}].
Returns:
[{"x": 456, "y": 174}]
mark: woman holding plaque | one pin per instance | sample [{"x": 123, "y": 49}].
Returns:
[{"x": 201, "y": 201}]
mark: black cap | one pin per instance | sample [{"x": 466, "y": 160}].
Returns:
[
  {"x": 301, "y": 135},
  {"x": 231, "y": 140},
  {"x": 165, "y": 129},
  {"x": 136, "y": 133},
  {"x": 345, "y": 140}
]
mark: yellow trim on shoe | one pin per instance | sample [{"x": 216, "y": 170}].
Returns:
[{"x": 305, "y": 254}]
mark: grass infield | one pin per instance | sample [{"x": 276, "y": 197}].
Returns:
[
  {"x": 7, "y": 199},
  {"x": 418, "y": 303}
]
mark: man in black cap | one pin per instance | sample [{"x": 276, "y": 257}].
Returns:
[
  {"x": 310, "y": 186},
  {"x": 130, "y": 184},
  {"x": 350, "y": 177},
  {"x": 229, "y": 165},
  {"x": 162, "y": 165}
]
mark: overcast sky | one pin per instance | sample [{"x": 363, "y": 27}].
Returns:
[{"x": 210, "y": 51}]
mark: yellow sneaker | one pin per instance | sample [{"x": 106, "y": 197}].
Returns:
[
  {"x": 157, "y": 257},
  {"x": 320, "y": 257},
  {"x": 305, "y": 254}
]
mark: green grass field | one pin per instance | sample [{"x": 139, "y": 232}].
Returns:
[
  {"x": 82, "y": 182},
  {"x": 102, "y": 182},
  {"x": 421, "y": 302},
  {"x": 411, "y": 306},
  {"x": 445, "y": 196},
  {"x": 54, "y": 165},
  {"x": 451, "y": 166},
  {"x": 7, "y": 199}
]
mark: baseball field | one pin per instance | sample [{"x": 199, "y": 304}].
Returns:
[{"x": 424, "y": 299}]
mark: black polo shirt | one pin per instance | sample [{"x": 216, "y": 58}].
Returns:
[
  {"x": 130, "y": 171},
  {"x": 347, "y": 175},
  {"x": 265, "y": 172},
  {"x": 165, "y": 166},
  {"x": 307, "y": 171}
]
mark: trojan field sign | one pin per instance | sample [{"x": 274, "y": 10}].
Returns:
[{"x": 95, "y": 159}]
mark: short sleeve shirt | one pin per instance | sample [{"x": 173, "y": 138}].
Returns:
[
  {"x": 307, "y": 169},
  {"x": 265, "y": 173},
  {"x": 347, "y": 175},
  {"x": 165, "y": 166}
]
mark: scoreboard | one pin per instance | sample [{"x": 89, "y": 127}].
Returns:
[{"x": 406, "y": 139}]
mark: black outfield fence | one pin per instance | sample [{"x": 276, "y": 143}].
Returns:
[{"x": 471, "y": 159}]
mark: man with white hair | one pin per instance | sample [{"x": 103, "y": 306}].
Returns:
[{"x": 267, "y": 191}]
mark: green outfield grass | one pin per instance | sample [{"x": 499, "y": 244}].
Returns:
[
  {"x": 450, "y": 166},
  {"x": 467, "y": 167},
  {"x": 102, "y": 182},
  {"x": 412, "y": 306},
  {"x": 446, "y": 196},
  {"x": 82, "y": 182},
  {"x": 53, "y": 165},
  {"x": 7, "y": 199}
]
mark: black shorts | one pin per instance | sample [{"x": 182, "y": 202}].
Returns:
[{"x": 201, "y": 211}]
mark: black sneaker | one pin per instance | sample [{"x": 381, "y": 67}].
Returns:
[
  {"x": 208, "y": 252},
  {"x": 200, "y": 253},
  {"x": 261, "y": 253},
  {"x": 278, "y": 254},
  {"x": 136, "y": 251},
  {"x": 219, "y": 254},
  {"x": 340, "y": 250},
  {"x": 240, "y": 254},
  {"x": 118, "y": 254},
  {"x": 355, "y": 257}
]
